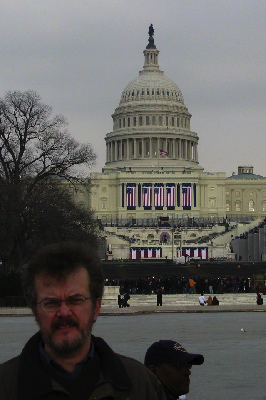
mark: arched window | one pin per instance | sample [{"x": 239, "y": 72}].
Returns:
[
  {"x": 251, "y": 206},
  {"x": 140, "y": 121}
]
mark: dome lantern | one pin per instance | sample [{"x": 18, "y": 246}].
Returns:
[{"x": 151, "y": 55}]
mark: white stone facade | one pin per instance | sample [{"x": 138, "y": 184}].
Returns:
[{"x": 152, "y": 182}]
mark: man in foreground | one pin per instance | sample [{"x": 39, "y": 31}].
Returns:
[
  {"x": 63, "y": 284},
  {"x": 172, "y": 364}
]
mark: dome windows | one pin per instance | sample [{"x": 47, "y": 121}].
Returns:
[
  {"x": 136, "y": 94},
  {"x": 169, "y": 120}
]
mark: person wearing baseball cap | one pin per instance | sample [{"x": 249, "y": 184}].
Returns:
[{"x": 172, "y": 364}]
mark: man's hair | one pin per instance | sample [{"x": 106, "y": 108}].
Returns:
[{"x": 60, "y": 260}]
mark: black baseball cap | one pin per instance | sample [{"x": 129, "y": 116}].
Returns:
[{"x": 170, "y": 352}]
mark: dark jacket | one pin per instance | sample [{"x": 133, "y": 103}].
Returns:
[{"x": 25, "y": 378}]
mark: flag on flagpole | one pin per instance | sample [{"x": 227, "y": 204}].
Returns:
[{"x": 163, "y": 153}]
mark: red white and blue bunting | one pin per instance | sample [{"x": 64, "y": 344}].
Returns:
[{"x": 137, "y": 253}]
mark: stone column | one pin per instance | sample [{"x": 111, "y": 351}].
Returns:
[
  {"x": 174, "y": 147},
  {"x": 106, "y": 152},
  {"x": 116, "y": 150}
]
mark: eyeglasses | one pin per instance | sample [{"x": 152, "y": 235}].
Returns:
[
  {"x": 183, "y": 366},
  {"x": 54, "y": 304}
]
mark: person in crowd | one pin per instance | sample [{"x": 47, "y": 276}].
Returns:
[
  {"x": 191, "y": 284},
  {"x": 119, "y": 301},
  {"x": 125, "y": 300},
  {"x": 159, "y": 297},
  {"x": 210, "y": 284},
  {"x": 63, "y": 284},
  {"x": 209, "y": 301},
  {"x": 172, "y": 364},
  {"x": 215, "y": 301},
  {"x": 259, "y": 299},
  {"x": 235, "y": 285},
  {"x": 202, "y": 299}
]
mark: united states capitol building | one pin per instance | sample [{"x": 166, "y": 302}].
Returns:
[{"x": 152, "y": 198}]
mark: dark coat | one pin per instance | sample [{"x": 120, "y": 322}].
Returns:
[{"x": 121, "y": 378}]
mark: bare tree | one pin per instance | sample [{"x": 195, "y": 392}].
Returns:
[
  {"x": 34, "y": 145},
  {"x": 36, "y": 149}
]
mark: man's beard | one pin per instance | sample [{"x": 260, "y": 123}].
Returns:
[{"x": 64, "y": 348}]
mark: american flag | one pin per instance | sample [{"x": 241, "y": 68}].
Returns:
[
  {"x": 146, "y": 195},
  {"x": 170, "y": 195},
  {"x": 131, "y": 195},
  {"x": 163, "y": 153},
  {"x": 158, "y": 196},
  {"x": 186, "y": 194}
]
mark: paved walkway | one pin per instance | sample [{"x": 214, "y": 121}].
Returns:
[
  {"x": 179, "y": 303},
  {"x": 229, "y": 302}
]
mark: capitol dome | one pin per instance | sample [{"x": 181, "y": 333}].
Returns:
[
  {"x": 151, "y": 120},
  {"x": 152, "y": 87}
]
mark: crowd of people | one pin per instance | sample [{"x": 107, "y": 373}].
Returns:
[{"x": 177, "y": 285}]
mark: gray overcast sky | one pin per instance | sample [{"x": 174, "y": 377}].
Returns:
[{"x": 79, "y": 56}]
